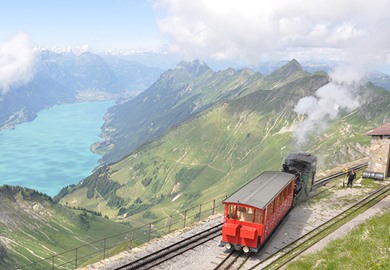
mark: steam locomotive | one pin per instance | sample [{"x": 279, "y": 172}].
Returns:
[{"x": 254, "y": 212}]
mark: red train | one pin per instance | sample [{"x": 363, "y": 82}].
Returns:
[{"x": 254, "y": 212}]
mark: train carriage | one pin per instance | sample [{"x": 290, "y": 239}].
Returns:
[{"x": 254, "y": 212}]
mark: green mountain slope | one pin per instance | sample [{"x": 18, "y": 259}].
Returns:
[
  {"x": 177, "y": 96},
  {"x": 223, "y": 148},
  {"x": 33, "y": 227}
]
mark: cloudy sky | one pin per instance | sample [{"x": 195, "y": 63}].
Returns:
[{"x": 240, "y": 31}]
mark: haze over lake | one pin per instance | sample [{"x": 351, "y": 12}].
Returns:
[{"x": 52, "y": 151}]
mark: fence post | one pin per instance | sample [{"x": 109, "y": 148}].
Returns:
[
  {"x": 131, "y": 239},
  {"x": 169, "y": 223},
  {"x": 52, "y": 262},
  {"x": 150, "y": 232},
  {"x": 185, "y": 218},
  {"x": 200, "y": 211},
  {"x": 75, "y": 260},
  {"x": 104, "y": 248},
  {"x": 213, "y": 211}
]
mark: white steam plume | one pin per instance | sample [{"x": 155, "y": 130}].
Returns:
[
  {"x": 16, "y": 62},
  {"x": 340, "y": 94}
]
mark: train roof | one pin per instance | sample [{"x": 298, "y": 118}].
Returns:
[{"x": 260, "y": 191}]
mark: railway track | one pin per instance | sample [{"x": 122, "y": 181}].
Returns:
[
  {"x": 323, "y": 181},
  {"x": 233, "y": 260},
  {"x": 294, "y": 249},
  {"x": 176, "y": 249}
]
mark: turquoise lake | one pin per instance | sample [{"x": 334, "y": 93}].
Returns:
[{"x": 52, "y": 151}]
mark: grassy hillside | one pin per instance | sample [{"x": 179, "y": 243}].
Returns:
[
  {"x": 33, "y": 227},
  {"x": 223, "y": 148},
  {"x": 363, "y": 248},
  {"x": 177, "y": 96}
]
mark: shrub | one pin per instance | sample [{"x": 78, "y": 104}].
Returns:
[
  {"x": 149, "y": 214},
  {"x": 146, "y": 182}
]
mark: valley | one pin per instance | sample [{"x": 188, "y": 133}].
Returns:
[
  {"x": 219, "y": 148},
  {"x": 193, "y": 135},
  {"x": 123, "y": 121}
]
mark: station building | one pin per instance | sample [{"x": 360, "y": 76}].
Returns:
[{"x": 379, "y": 159}]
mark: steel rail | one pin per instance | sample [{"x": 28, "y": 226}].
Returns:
[
  {"x": 173, "y": 250},
  {"x": 295, "y": 248},
  {"x": 228, "y": 260},
  {"x": 180, "y": 247},
  {"x": 323, "y": 181}
]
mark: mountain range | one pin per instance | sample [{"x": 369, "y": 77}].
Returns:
[
  {"x": 192, "y": 135},
  {"x": 178, "y": 95},
  {"x": 196, "y": 133},
  {"x": 68, "y": 77},
  {"x": 33, "y": 228}
]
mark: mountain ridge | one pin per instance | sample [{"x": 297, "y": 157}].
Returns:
[
  {"x": 67, "y": 77},
  {"x": 34, "y": 227},
  {"x": 237, "y": 136},
  {"x": 234, "y": 124},
  {"x": 269, "y": 112},
  {"x": 180, "y": 94}
]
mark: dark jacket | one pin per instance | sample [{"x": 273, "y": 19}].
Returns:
[{"x": 351, "y": 175}]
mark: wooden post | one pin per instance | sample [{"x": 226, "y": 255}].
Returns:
[
  {"x": 200, "y": 211},
  {"x": 104, "y": 249},
  {"x": 169, "y": 223},
  {"x": 75, "y": 260},
  {"x": 213, "y": 209},
  {"x": 131, "y": 239},
  {"x": 150, "y": 231},
  {"x": 185, "y": 218}
]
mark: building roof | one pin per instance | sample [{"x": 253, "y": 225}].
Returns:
[
  {"x": 383, "y": 130},
  {"x": 260, "y": 191}
]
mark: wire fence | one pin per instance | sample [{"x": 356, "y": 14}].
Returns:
[{"x": 111, "y": 245}]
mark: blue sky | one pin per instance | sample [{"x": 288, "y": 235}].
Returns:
[
  {"x": 101, "y": 24},
  {"x": 244, "y": 32}
]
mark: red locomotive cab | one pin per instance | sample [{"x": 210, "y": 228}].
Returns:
[
  {"x": 243, "y": 227},
  {"x": 253, "y": 212}
]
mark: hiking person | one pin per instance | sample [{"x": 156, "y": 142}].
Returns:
[{"x": 351, "y": 177}]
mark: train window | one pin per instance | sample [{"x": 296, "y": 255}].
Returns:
[
  {"x": 277, "y": 201},
  {"x": 286, "y": 193},
  {"x": 245, "y": 213},
  {"x": 232, "y": 211},
  {"x": 258, "y": 216},
  {"x": 271, "y": 208}
]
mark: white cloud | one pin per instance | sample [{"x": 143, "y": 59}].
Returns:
[
  {"x": 329, "y": 100},
  {"x": 355, "y": 33},
  {"x": 16, "y": 62},
  {"x": 254, "y": 29}
]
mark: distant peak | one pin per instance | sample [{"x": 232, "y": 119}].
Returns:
[
  {"x": 294, "y": 64},
  {"x": 290, "y": 69},
  {"x": 195, "y": 67}
]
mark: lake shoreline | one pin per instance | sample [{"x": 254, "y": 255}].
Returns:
[{"x": 53, "y": 150}]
